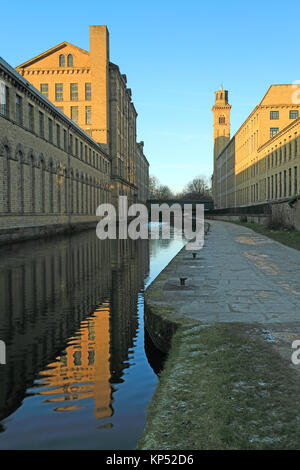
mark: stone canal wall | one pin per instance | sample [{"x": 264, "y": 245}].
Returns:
[
  {"x": 285, "y": 213},
  {"x": 160, "y": 318}
]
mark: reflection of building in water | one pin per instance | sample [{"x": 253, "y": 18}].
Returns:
[
  {"x": 46, "y": 289},
  {"x": 50, "y": 322},
  {"x": 130, "y": 265},
  {"x": 82, "y": 371}
]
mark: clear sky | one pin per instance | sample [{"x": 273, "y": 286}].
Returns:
[{"x": 175, "y": 55}]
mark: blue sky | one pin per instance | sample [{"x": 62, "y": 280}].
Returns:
[{"x": 175, "y": 55}]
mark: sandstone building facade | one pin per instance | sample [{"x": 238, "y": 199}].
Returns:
[
  {"x": 53, "y": 175},
  {"x": 91, "y": 91},
  {"x": 261, "y": 163}
]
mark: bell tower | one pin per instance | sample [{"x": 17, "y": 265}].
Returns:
[{"x": 221, "y": 110}]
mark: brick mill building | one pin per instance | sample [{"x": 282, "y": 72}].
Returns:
[
  {"x": 261, "y": 162},
  {"x": 67, "y": 139}
]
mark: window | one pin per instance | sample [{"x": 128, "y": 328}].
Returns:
[
  {"x": 18, "y": 109},
  {"x": 70, "y": 60},
  {"x": 280, "y": 184},
  {"x": 71, "y": 144},
  {"x": 272, "y": 187},
  {"x": 62, "y": 60},
  {"x": 290, "y": 181},
  {"x": 44, "y": 89},
  {"x": 294, "y": 114},
  {"x": 74, "y": 114},
  {"x": 50, "y": 130},
  {"x": 284, "y": 183},
  {"x": 88, "y": 115},
  {"x": 222, "y": 120},
  {"x": 59, "y": 92},
  {"x": 88, "y": 92},
  {"x": 3, "y": 99},
  {"x": 76, "y": 147},
  {"x": 65, "y": 140},
  {"x": 295, "y": 180},
  {"x": 274, "y": 114},
  {"x": 74, "y": 91},
  {"x": 41, "y": 124},
  {"x": 273, "y": 131},
  {"x": 57, "y": 135},
  {"x": 30, "y": 117}
]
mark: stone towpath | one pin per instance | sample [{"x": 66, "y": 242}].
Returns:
[
  {"x": 239, "y": 276},
  {"x": 229, "y": 381}
]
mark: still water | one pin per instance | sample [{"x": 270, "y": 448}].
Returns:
[{"x": 80, "y": 369}]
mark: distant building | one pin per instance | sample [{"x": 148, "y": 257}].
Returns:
[
  {"x": 260, "y": 163},
  {"x": 142, "y": 173}
]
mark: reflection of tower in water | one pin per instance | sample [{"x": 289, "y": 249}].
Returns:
[{"x": 83, "y": 371}]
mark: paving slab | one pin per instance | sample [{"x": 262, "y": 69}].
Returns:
[{"x": 237, "y": 276}]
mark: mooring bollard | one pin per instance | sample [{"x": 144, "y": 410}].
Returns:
[
  {"x": 194, "y": 255},
  {"x": 182, "y": 281}
]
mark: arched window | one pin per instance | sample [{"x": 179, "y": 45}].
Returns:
[
  {"x": 62, "y": 60},
  {"x": 70, "y": 60},
  {"x": 222, "y": 120}
]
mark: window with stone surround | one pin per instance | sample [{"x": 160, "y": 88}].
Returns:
[
  {"x": 59, "y": 92},
  {"x": 88, "y": 92},
  {"x": 294, "y": 114},
  {"x": 30, "y": 117},
  {"x": 74, "y": 114},
  {"x": 74, "y": 91},
  {"x": 44, "y": 89},
  {"x": 70, "y": 60},
  {"x": 18, "y": 109},
  {"x": 274, "y": 114},
  {"x": 50, "y": 130},
  {"x": 273, "y": 131},
  {"x": 58, "y": 135},
  {"x": 41, "y": 124},
  {"x": 88, "y": 115},
  {"x": 3, "y": 99},
  {"x": 62, "y": 60}
]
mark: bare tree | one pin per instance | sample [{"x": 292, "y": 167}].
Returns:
[
  {"x": 198, "y": 188},
  {"x": 153, "y": 185},
  {"x": 157, "y": 190}
]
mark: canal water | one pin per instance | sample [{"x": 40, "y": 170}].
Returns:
[{"x": 80, "y": 370}]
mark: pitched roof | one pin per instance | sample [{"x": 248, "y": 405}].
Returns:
[{"x": 49, "y": 52}]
